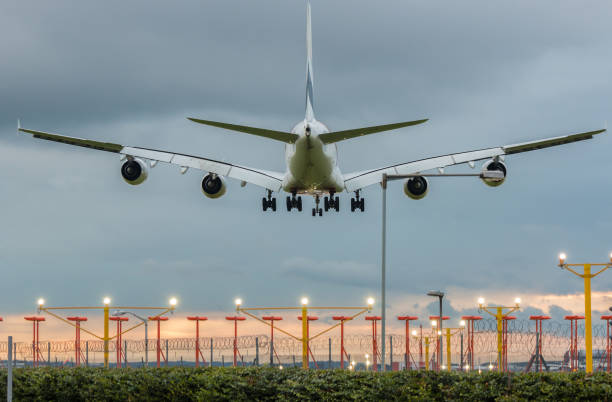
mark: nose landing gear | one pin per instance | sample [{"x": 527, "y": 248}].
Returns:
[{"x": 317, "y": 211}]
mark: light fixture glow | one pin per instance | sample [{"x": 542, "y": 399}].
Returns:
[
  {"x": 434, "y": 323},
  {"x": 238, "y": 302},
  {"x": 439, "y": 332},
  {"x": 467, "y": 366},
  {"x": 490, "y": 367},
  {"x": 280, "y": 367},
  {"x": 414, "y": 332},
  {"x": 370, "y": 301},
  {"x": 611, "y": 257},
  {"x": 106, "y": 301},
  {"x": 304, "y": 301},
  {"x": 173, "y": 301},
  {"x": 462, "y": 323},
  {"x": 481, "y": 300},
  {"x": 517, "y": 300},
  {"x": 562, "y": 258},
  {"x": 41, "y": 301},
  {"x": 367, "y": 356}
]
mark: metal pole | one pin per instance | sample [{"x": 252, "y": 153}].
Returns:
[
  {"x": 211, "y": 352},
  {"x": 125, "y": 353},
  {"x": 391, "y": 351},
  {"x": 146, "y": 325},
  {"x": 9, "y": 375},
  {"x": 86, "y": 353},
  {"x": 257, "y": 351},
  {"x": 304, "y": 337},
  {"x": 329, "y": 362},
  {"x": 461, "y": 368},
  {"x": 588, "y": 336},
  {"x": 440, "y": 336},
  {"x": 48, "y": 354},
  {"x": 167, "y": 357},
  {"x": 106, "y": 335},
  {"x": 383, "y": 306}
]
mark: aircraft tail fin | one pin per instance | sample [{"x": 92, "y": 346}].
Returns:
[{"x": 309, "y": 75}]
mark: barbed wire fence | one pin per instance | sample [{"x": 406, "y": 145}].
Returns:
[{"x": 255, "y": 349}]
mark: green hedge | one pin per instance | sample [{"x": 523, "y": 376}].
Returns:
[{"x": 226, "y": 384}]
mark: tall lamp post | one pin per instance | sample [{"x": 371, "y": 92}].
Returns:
[
  {"x": 440, "y": 295},
  {"x": 586, "y": 275},
  {"x": 491, "y": 175}
]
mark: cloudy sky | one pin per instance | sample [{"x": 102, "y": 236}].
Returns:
[{"x": 131, "y": 72}]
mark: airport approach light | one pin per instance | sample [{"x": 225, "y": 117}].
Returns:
[
  {"x": 434, "y": 323},
  {"x": 238, "y": 302},
  {"x": 490, "y": 367},
  {"x": 414, "y": 332},
  {"x": 41, "y": 302},
  {"x": 611, "y": 257},
  {"x": 462, "y": 323},
  {"x": 106, "y": 301},
  {"x": 481, "y": 301},
  {"x": 370, "y": 301},
  {"x": 517, "y": 301},
  {"x": 562, "y": 258},
  {"x": 439, "y": 332},
  {"x": 173, "y": 302},
  {"x": 304, "y": 301}
]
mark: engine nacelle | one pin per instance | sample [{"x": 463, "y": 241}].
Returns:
[
  {"x": 213, "y": 186},
  {"x": 494, "y": 165},
  {"x": 134, "y": 171},
  {"x": 416, "y": 187}
]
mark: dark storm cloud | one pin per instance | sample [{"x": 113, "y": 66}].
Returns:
[{"x": 130, "y": 72}]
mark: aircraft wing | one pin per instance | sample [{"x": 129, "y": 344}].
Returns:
[
  {"x": 269, "y": 180},
  {"x": 359, "y": 180}
]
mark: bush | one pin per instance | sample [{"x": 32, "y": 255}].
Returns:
[{"x": 248, "y": 384}]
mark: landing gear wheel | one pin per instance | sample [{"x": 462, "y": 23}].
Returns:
[
  {"x": 299, "y": 204},
  {"x": 273, "y": 204},
  {"x": 362, "y": 205},
  {"x": 352, "y": 205},
  {"x": 320, "y": 212},
  {"x": 326, "y": 204},
  {"x": 289, "y": 204},
  {"x": 314, "y": 212},
  {"x": 337, "y": 204},
  {"x": 264, "y": 204}
]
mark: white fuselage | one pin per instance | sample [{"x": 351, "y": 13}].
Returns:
[{"x": 312, "y": 167}]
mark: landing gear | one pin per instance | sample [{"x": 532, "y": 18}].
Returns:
[
  {"x": 269, "y": 202},
  {"x": 316, "y": 210},
  {"x": 294, "y": 202},
  {"x": 331, "y": 202},
  {"x": 357, "y": 203}
]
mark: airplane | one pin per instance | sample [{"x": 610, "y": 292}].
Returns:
[{"x": 311, "y": 158}]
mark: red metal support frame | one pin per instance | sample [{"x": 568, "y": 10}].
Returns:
[
  {"x": 343, "y": 353},
  {"x": 160, "y": 353},
  {"x": 573, "y": 351},
  {"x": 537, "y": 354},
  {"x": 272, "y": 348},
  {"x": 198, "y": 352},
  {"x": 78, "y": 354},
  {"x": 505, "y": 342},
  {"x": 308, "y": 319},
  {"x": 375, "y": 354},
  {"x": 607, "y": 358},
  {"x": 119, "y": 352},
  {"x": 36, "y": 354},
  {"x": 408, "y": 357},
  {"x": 469, "y": 323},
  {"x": 236, "y": 351}
]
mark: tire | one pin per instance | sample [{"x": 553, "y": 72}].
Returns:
[
  {"x": 273, "y": 204},
  {"x": 320, "y": 212},
  {"x": 362, "y": 204},
  {"x": 326, "y": 203},
  {"x": 264, "y": 204},
  {"x": 299, "y": 204},
  {"x": 313, "y": 212},
  {"x": 337, "y": 204},
  {"x": 289, "y": 206},
  {"x": 352, "y": 205}
]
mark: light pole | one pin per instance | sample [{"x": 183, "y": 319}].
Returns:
[
  {"x": 119, "y": 313},
  {"x": 586, "y": 275},
  {"x": 440, "y": 295},
  {"x": 499, "y": 312},
  {"x": 487, "y": 174}
]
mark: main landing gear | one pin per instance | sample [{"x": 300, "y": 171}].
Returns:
[
  {"x": 317, "y": 211},
  {"x": 294, "y": 202},
  {"x": 331, "y": 203},
  {"x": 357, "y": 203},
  {"x": 268, "y": 202}
]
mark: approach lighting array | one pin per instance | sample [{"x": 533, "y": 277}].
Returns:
[
  {"x": 562, "y": 258},
  {"x": 238, "y": 302},
  {"x": 41, "y": 302},
  {"x": 106, "y": 301},
  {"x": 481, "y": 301},
  {"x": 173, "y": 301},
  {"x": 370, "y": 301},
  {"x": 304, "y": 301},
  {"x": 517, "y": 301}
]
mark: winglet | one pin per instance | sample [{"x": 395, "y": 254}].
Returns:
[{"x": 18, "y": 124}]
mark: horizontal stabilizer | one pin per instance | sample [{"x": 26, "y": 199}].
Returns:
[
  {"x": 282, "y": 136},
  {"x": 330, "y": 138}
]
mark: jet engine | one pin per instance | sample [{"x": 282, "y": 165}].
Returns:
[
  {"x": 134, "y": 171},
  {"x": 493, "y": 165},
  {"x": 213, "y": 186},
  {"x": 416, "y": 187}
]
